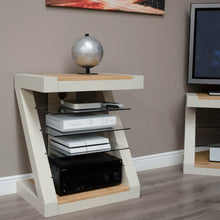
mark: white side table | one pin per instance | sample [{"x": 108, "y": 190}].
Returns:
[{"x": 197, "y": 162}]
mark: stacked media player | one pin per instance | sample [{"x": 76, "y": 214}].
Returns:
[
  {"x": 79, "y": 144},
  {"x": 79, "y": 162},
  {"x": 69, "y": 122}
]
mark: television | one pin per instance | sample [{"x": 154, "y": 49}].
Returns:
[{"x": 204, "y": 44}]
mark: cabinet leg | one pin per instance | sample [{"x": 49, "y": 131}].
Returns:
[
  {"x": 45, "y": 190},
  {"x": 189, "y": 140}
]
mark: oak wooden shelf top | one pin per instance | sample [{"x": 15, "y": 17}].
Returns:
[
  {"x": 92, "y": 194},
  {"x": 202, "y": 160},
  {"x": 202, "y": 100},
  {"x": 206, "y": 96},
  {"x": 64, "y": 82},
  {"x": 85, "y": 77}
]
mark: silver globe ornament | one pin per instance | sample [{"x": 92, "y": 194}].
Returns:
[{"x": 87, "y": 52}]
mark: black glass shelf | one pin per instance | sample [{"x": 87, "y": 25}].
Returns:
[
  {"x": 209, "y": 145},
  {"x": 58, "y": 109},
  {"x": 57, "y": 152},
  {"x": 56, "y": 133},
  {"x": 207, "y": 126}
]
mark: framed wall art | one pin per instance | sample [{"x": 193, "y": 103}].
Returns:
[{"x": 138, "y": 6}]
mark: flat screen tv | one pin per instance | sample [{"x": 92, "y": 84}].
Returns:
[{"x": 204, "y": 44}]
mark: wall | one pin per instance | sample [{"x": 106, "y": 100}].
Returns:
[{"x": 35, "y": 38}]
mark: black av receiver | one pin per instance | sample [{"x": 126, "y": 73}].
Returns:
[{"x": 81, "y": 173}]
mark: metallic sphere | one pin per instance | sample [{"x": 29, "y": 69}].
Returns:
[{"x": 87, "y": 52}]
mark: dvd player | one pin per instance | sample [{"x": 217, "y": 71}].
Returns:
[
  {"x": 60, "y": 151},
  {"x": 77, "y": 105},
  {"x": 79, "y": 144},
  {"x": 81, "y": 140},
  {"x": 69, "y": 122}
]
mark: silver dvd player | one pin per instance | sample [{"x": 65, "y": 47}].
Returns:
[
  {"x": 81, "y": 140},
  {"x": 80, "y": 144},
  {"x": 76, "y": 105},
  {"x": 69, "y": 122},
  {"x": 79, "y": 150}
]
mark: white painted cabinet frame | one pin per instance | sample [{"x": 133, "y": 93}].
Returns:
[{"x": 41, "y": 193}]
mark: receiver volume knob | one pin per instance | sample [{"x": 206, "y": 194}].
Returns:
[
  {"x": 116, "y": 176},
  {"x": 106, "y": 177}
]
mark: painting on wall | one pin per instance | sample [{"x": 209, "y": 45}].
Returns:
[{"x": 139, "y": 6}]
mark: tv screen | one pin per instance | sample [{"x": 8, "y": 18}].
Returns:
[{"x": 204, "y": 50}]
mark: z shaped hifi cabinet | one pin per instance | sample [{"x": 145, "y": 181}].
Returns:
[{"x": 40, "y": 193}]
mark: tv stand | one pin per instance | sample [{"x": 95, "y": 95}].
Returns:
[
  {"x": 197, "y": 162},
  {"x": 40, "y": 192}
]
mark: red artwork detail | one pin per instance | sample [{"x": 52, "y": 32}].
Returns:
[
  {"x": 77, "y": 3},
  {"x": 121, "y": 5}
]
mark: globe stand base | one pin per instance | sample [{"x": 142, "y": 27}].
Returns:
[{"x": 87, "y": 72}]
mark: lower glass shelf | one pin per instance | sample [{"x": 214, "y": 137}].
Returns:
[
  {"x": 58, "y": 152},
  {"x": 57, "y": 109},
  {"x": 57, "y": 133}
]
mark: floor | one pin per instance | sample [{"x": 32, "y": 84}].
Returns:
[{"x": 165, "y": 194}]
